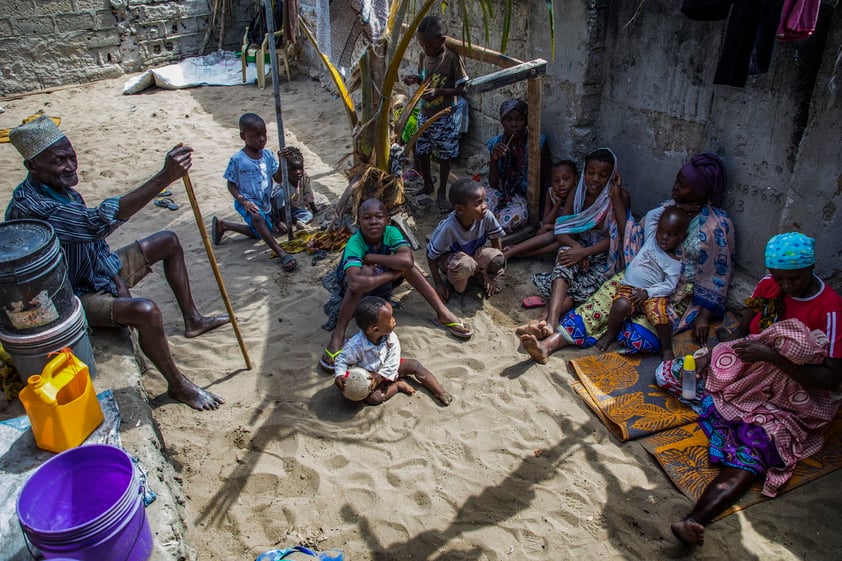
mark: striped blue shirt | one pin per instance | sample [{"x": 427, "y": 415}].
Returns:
[
  {"x": 450, "y": 236},
  {"x": 81, "y": 231}
]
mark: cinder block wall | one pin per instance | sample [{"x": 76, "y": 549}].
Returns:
[{"x": 47, "y": 43}]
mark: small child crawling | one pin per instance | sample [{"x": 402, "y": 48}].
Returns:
[{"x": 376, "y": 348}]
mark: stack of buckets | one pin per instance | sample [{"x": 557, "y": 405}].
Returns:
[
  {"x": 39, "y": 314},
  {"x": 86, "y": 503}
]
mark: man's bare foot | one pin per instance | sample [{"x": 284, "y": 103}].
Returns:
[
  {"x": 205, "y": 324},
  {"x": 403, "y": 387},
  {"x": 444, "y": 398},
  {"x": 532, "y": 346},
  {"x": 194, "y": 396},
  {"x": 536, "y": 327},
  {"x": 689, "y": 531}
]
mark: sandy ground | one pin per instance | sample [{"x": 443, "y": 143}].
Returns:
[{"x": 516, "y": 468}]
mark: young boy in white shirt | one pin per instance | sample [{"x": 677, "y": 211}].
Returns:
[{"x": 376, "y": 348}]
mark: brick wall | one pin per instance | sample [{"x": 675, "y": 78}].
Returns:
[{"x": 46, "y": 43}]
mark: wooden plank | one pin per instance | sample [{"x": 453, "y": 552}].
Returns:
[
  {"x": 533, "y": 192},
  {"x": 506, "y": 76},
  {"x": 482, "y": 54}
]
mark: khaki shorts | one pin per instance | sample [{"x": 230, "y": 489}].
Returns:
[
  {"x": 460, "y": 267},
  {"x": 98, "y": 305}
]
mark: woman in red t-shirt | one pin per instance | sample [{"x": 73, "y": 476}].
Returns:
[{"x": 769, "y": 391}]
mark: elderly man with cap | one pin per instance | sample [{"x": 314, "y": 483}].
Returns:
[
  {"x": 102, "y": 278},
  {"x": 707, "y": 254},
  {"x": 771, "y": 388}
]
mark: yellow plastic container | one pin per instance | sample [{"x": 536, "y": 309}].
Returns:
[{"x": 61, "y": 403}]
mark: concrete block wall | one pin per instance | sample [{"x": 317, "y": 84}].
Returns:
[
  {"x": 659, "y": 106},
  {"x": 46, "y": 43},
  {"x": 813, "y": 196},
  {"x": 641, "y": 82}
]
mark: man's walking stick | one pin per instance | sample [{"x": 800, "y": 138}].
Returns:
[{"x": 188, "y": 186}]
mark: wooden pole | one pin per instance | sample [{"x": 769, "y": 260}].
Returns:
[
  {"x": 533, "y": 192},
  {"x": 273, "y": 58},
  {"x": 188, "y": 186},
  {"x": 482, "y": 54}
]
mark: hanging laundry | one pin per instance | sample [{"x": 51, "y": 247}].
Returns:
[
  {"x": 749, "y": 37},
  {"x": 798, "y": 19}
]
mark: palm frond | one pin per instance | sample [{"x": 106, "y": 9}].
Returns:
[
  {"x": 410, "y": 106},
  {"x": 427, "y": 124},
  {"x": 383, "y": 117},
  {"x": 466, "y": 28},
  {"x": 396, "y": 16},
  {"x": 507, "y": 25},
  {"x": 487, "y": 12}
]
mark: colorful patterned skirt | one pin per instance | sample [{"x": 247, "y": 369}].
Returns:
[
  {"x": 584, "y": 325},
  {"x": 737, "y": 443}
]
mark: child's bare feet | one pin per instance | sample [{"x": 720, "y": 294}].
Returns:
[
  {"x": 532, "y": 346},
  {"x": 444, "y": 398},
  {"x": 403, "y": 387},
  {"x": 538, "y": 328},
  {"x": 529, "y": 327},
  {"x": 605, "y": 342},
  {"x": 689, "y": 531}
]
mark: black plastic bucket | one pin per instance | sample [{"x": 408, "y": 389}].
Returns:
[{"x": 34, "y": 289}]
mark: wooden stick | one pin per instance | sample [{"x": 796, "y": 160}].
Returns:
[
  {"x": 533, "y": 191},
  {"x": 270, "y": 32},
  {"x": 188, "y": 186}
]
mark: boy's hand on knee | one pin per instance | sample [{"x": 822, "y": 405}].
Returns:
[{"x": 250, "y": 207}]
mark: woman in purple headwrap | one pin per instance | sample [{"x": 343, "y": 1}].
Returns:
[
  {"x": 508, "y": 167},
  {"x": 708, "y": 255}
]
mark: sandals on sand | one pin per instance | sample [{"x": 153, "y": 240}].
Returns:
[
  {"x": 533, "y": 302},
  {"x": 323, "y": 360},
  {"x": 458, "y": 329},
  {"x": 166, "y": 202},
  {"x": 288, "y": 263},
  {"x": 216, "y": 235}
]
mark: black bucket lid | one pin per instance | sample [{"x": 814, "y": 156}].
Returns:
[{"x": 21, "y": 238}]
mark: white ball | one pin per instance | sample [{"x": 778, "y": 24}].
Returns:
[{"x": 357, "y": 384}]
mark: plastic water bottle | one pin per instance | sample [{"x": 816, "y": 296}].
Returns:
[{"x": 688, "y": 378}]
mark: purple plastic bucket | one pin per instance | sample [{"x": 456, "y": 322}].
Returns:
[{"x": 86, "y": 504}]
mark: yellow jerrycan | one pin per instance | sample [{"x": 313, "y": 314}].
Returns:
[{"x": 61, "y": 403}]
